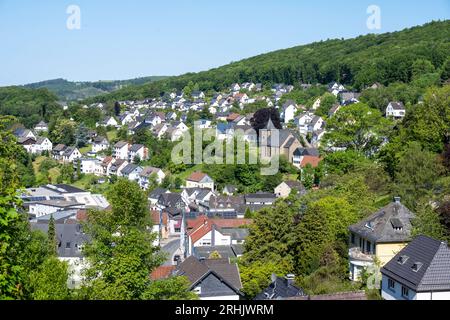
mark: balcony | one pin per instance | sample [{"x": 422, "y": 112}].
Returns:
[{"x": 355, "y": 254}]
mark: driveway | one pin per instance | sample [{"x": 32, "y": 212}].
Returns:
[{"x": 170, "y": 249}]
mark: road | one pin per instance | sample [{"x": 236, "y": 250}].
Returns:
[{"x": 171, "y": 248}]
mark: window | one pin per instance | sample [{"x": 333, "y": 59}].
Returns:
[
  {"x": 369, "y": 247},
  {"x": 391, "y": 285},
  {"x": 67, "y": 245},
  {"x": 353, "y": 238},
  {"x": 405, "y": 292}
]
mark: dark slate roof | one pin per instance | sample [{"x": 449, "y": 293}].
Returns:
[
  {"x": 156, "y": 193},
  {"x": 238, "y": 249},
  {"x": 432, "y": 256},
  {"x": 69, "y": 236},
  {"x": 398, "y": 105},
  {"x": 136, "y": 147},
  {"x": 260, "y": 197},
  {"x": 226, "y": 270},
  {"x": 63, "y": 188},
  {"x": 307, "y": 152},
  {"x": 196, "y": 271},
  {"x": 279, "y": 289},
  {"x": 380, "y": 227},
  {"x": 170, "y": 199},
  {"x": 129, "y": 168}
]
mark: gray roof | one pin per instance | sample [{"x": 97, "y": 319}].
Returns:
[
  {"x": 260, "y": 197},
  {"x": 136, "y": 147},
  {"x": 382, "y": 226},
  {"x": 236, "y": 233},
  {"x": 170, "y": 199},
  {"x": 130, "y": 168},
  {"x": 397, "y": 105},
  {"x": 69, "y": 236},
  {"x": 431, "y": 255},
  {"x": 196, "y": 271},
  {"x": 156, "y": 193},
  {"x": 63, "y": 188},
  {"x": 280, "y": 288},
  {"x": 120, "y": 144}
]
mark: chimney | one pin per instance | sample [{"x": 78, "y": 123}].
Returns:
[
  {"x": 290, "y": 279},
  {"x": 397, "y": 200}
]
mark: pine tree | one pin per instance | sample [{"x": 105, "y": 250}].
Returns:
[{"x": 51, "y": 234}]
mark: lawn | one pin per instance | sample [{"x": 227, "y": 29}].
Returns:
[
  {"x": 111, "y": 135},
  {"x": 53, "y": 173}
]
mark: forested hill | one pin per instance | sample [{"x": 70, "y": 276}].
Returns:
[
  {"x": 68, "y": 90},
  {"x": 384, "y": 58}
]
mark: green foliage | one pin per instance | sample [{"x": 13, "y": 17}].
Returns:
[
  {"x": 359, "y": 62},
  {"x": 417, "y": 175},
  {"x": 28, "y": 106},
  {"x": 357, "y": 127},
  {"x": 428, "y": 222},
  {"x": 63, "y": 132},
  {"x": 256, "y": 276},
  {"x": 49, "y": 281},
  {"x": 175, "y": 288},
  {"x": 323, "y": 230}
]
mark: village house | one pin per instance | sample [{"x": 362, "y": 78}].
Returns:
[
  {"x": 41, "y": 127},
  {"x": 395, "y": 110},
  {"x": 216, "y": 279},
  {"x": 420, "y": 271},
  {"x": 120, "y": 150},
  {"x": 288, "y": 111},
  {"x": 100, "y": 144},
  {"x": 108, "y": 122},
  {"x": 131, "y": 172},
  {"x": 200, "y": 180},
  {"x": 147, "y": 174},
  {"x": 284, "y": 189},
  {"x": 281, "y": 288},
  {"x": 306, "y": 156},
  {"x": 137, "y": 151},
  {"x": 117, "y": 167},
  {"x": 71, "y": 154},
  {"x": 379, "y": 237}
]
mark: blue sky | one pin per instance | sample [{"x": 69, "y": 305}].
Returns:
[{"x": 128, "y": 39}]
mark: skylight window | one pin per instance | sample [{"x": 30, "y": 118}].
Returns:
[
  {"x": 416, "y": 266},
  {"x": 402, "y": 259}
]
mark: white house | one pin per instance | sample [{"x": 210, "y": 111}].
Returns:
[
  {"x": 137, "y": 151},
  {"x": 71, "y": 154},
  {"x": 147, "y": 173},
  {"x": 99, "y": 144},
  {"x": 110, "y": 121},
  {"x": 121, "y": 150},
  {"x": 200, "y": 180},
  {"x": 288, "y": 111},
  {"x": 89, "y": 166},
  {"x": 303, "y": 121},
  {"x": 420, "y": 271},
  {"x": 41, "y": 127},
  {"x": 131, "y": 172},
  {"x": 395, "y": 110}
]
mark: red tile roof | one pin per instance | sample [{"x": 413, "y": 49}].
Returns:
[
  {"x": 313, "y": 161},
  {"x": 231, "y": 223},
  {"x": 162, "y": 272},
  {"x": 197, "y": 176},
  {"x": 233, "y": 116}
]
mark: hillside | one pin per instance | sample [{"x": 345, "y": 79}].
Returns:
[
  {"x": 384, "y": 58},
  {"x": 69, "y": 91}
]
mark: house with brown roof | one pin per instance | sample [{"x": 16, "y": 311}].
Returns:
[{"x": 200, "y": 180}]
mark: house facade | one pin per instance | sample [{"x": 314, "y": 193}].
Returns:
[
  {"x": 420, "y": 271},
  {"x": 379, "y": 238}
]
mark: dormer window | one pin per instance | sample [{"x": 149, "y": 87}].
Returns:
[
  {"x": 417, "y": 266},
  {"x": 402, "y": 259},
  {"x": 396, "y": 224},
  {"x": 369, "y": 225}
]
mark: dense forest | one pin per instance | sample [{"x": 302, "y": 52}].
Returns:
[
  {"x": 69, "y": 91},
  {"x": 385, "y": 58}
]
